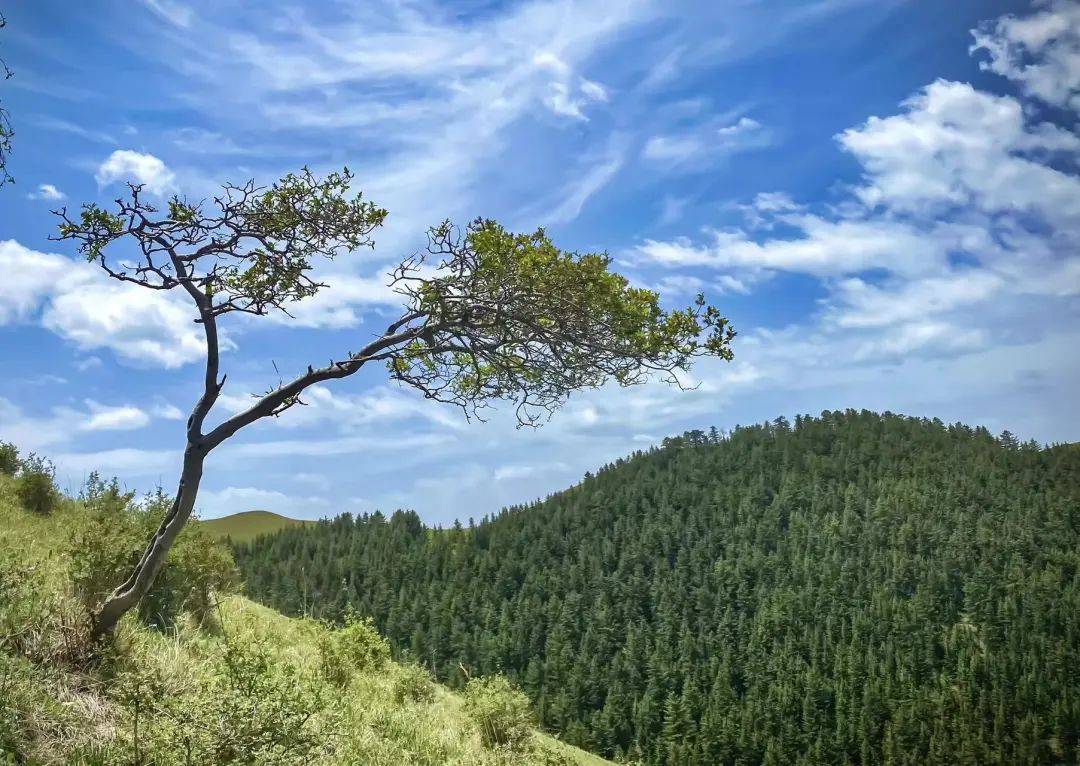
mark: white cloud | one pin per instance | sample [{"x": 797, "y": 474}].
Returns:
[
  {"x": 956, "y": 172},
  {"x": 568, "y": 95},
  {"x": 963, "y": 233},
  {"x": 435, "y": 102},
  {"x": 78, "y": 303},
  {"x": 706, "y": 143},
  {"x": 827, "y": 248},
  {"x": 63, "y": 423},
  {"x": 861, "y": 304},
  {"x": 29, "y": 276},
  {"x": 342, "y": 302},
  {"x": 345, "y": 413},
  {"x": 46, "y": 192},
  {"x": 31, "y": 433},
  {"x": 106, "y": 418},
  {"x": 957, "y": 147},
  {"x": 128, "y": 462},
  {"x": 140, "y": 326},
  {"x": 1040, "y": 51},
  {"x": 668, "y": 148},
  {"x": 89, "y": 363},
  {"x": 167, "y": 411},
  {"x": 572, "y": 197},
  {"x": 375, "y": 443},
  {"x": 130, "y": 166},
  {"x": 173, "y": 12},
  {"x": 525, "y": 471}
]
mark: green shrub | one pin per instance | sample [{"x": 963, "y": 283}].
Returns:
[
  {"x": 501, "y": 712},
  {"x": 9, "y": 459},
  {"x": 37, "y": 622},
  {"x": 107, "y": 544},
  {"x": 199, "y": 566},
  {"x": 355, "y": 646},
  {"x": 413, "y": 683},
  {"x": 36, "y": 485},
  {"x": 253, "y": 709}
]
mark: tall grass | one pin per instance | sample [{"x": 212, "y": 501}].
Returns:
[{"x": 249, "y": 687}]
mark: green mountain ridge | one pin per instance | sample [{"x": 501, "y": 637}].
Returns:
[{"x": 849, "y": 588}]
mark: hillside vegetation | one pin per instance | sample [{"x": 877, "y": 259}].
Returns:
[
  {"x": 203, "y": 678},
  {"x": 850, "y": 588},
  {"x": 247, "y": 525}
]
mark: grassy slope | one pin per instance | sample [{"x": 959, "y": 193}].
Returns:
[
  {"x": 67, "y": 708},
  {"x": 242, "y": 527}
]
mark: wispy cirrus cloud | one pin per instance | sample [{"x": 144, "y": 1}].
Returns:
[{"x": 704, "y": 144}]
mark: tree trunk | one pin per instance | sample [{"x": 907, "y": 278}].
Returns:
[{"x": 128, "y": 595}]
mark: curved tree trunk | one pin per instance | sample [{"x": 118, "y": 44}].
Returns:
[{"x": 128, "y": 594}]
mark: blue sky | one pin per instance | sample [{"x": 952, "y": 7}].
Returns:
[{"x": 882, "y": 195}]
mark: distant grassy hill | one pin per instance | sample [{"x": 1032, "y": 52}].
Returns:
[
  {"x": 249, "y": 686},
  {"x": 246, "y": 526}
]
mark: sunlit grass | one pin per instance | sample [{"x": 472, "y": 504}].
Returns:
[{"x": 56, "y": 707}]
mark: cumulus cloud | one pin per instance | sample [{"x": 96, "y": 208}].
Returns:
[
  {"x": 29, "y": 276},
  {"x": 168, "y": 412},
  {"x": 1040, "y": 51},
  {"x": 71, "y": 299},
  {"x": 140, "y": 326},
  {"x": 60, "y": 424},
  {"x": 966, "y": 220},
  {"x": 958, "y": 147},
  {"x": 108, "y": 418},
  {"x": 130, "y": 166},
  {"x": 47, "y": 192}
]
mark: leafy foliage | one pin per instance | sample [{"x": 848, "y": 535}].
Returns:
[
  {"x": 252, "y": 710},
  {"x": 356, "y": 646},
  {"x": 251, "y": 252},
  {"x": 9, "y": 459},
  {"x": 36, "y": 484},
  {"x": 851, "y": 588},
  {"x": 109, "y": 538},
  {"x": 413, "y": 683},
  {"x": 500, "y": 711},
  {"x": 512, "y": 316}
]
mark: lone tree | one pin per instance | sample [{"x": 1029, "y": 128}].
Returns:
[{"x": 487, "y": 314}]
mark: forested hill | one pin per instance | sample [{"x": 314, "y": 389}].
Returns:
[{"x": 852, "y": 588}]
